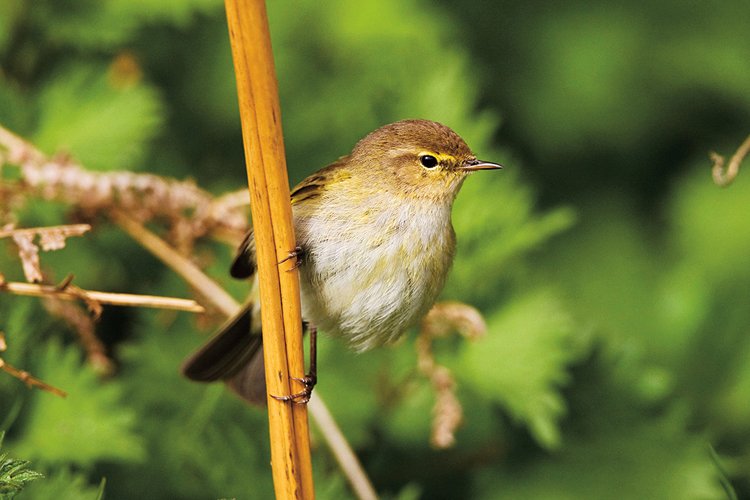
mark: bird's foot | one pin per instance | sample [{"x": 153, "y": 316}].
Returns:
[
  {"x": 302, "y": 397},
  {"x": 298, "y": 253}
]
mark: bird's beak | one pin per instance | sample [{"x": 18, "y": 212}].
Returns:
[{"x": 473, "y": 165}]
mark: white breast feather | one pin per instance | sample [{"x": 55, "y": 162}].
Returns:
[{"x": 369, "y": 286}]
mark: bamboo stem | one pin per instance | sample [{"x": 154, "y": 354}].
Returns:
[{"x": 260, "y": 115}]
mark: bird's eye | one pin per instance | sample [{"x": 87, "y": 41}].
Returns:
[{"x": 428, "y": 161}]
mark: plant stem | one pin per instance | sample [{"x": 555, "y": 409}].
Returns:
[
  {"x": 183, "y": 266},
  {"x": 268, "y": 183}
]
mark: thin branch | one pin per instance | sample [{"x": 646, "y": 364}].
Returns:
[
  {"x": 84, "y": 326},
  {"x": 29, "y": 379},
  {"x": 443, "y": 319},
  {"x": 183, "y": 266},
  {"x": 118, "y": 299},
  {"x": 233, "y": 200},
  {"x": 25, "y": 376},
  {"x": 724, "y": 177},
  {"x": 66, "y": 231}
]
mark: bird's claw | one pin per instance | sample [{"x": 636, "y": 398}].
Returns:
[
  {"x": 302, "y": 397},
  {"x": 298, "y": 253}
]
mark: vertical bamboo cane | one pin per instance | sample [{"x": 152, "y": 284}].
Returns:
[{"x": 274, "y": 239}]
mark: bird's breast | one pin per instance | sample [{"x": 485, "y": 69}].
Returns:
[{"x": 370, "y": 276}]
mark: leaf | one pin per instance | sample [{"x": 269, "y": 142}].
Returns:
[
  {"x": 200, "y": 428},
  {"x": 107, "y": 23},
  {"x": 90, "y": 425},
  {"x": 14, "y": 474},
  {"x": 63, "y": 484},
  {"x": 522, "y": 362},
  {"x": 490, "y": 236},
  {"x": 103, "y": 124}
]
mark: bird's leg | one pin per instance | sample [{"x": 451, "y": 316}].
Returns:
[
  {"x": 309, "y": 380},
  {"x": 298, "y": 253}
]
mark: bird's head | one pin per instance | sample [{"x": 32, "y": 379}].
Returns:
[{"x": 417, "y": 158}]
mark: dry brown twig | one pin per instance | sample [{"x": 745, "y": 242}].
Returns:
[
  {"x": 53, "y": 238},
  {"x": 71, "y": 292},
  {"x": 190, "y": 211},
  {"x": 25, "y": 376},
  {"x": 724, "y": 177},
  {"x": 204, "y": 286},
  {"x": 84, "y": 325},
  {"x": 50, "y": 238},
  {"x": 30, "y": 380},
  {"x": 443, "y": 319}
]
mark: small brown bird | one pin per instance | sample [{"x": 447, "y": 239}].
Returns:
[{"x": 375, "y": 246}]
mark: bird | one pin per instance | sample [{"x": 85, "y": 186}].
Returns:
[{"x": 375, "y": 244}]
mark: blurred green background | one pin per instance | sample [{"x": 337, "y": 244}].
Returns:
[{"x": 613, "y": 274}]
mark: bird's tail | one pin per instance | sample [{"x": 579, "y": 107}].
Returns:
[{"x": 235, "y": 355}]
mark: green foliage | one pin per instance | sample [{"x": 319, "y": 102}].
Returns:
[
  {"x": 14, "y": 106},
  {"x": 91, "y": 424},
  {"x": 14, "y": 474},
  {"x": 513, "y": 228},
  {"x": 534, "y": 337},
  {"x": 702, "y": 218},
  {"x": 10, "y": 12},
  {"x": 109, "y": 24},
  {"x": 617, "y": 355},
  {"x": 63, "y": 484},
  {"x": 78, "y": 108},
  {"x": 649, "y": 460}
]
